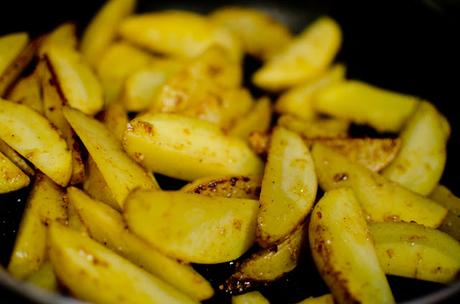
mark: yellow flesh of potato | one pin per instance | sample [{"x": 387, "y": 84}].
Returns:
[
  {"x": 326, "y": 299},
  {"x": 192, "y": 227},
  {"x": 94, "y": 273},
  {"x": 35, "y": 138},
  {"x": 451, "y": 224},
  {"x": 10, "y": 47},
  {"x": 64, "y": 35},
  {"x": 115, "y": 118},
  {"x": 253, "y": 297},
  {"x": 27, "y": 91},
  {"x": 96, "y": 186},
  {"x": 381, "y": 199},
  {"x": 11, "y": 177},
  {"x": 303, "y": 59},
  {"x": 420, "y": 162},
  {"x": 315, "y": 128},
  {"x": 288, "y": 187},
  {"x": 44, "y": 278},
  {"x": 414, "y": 251},
  {"x": 344, "y": 252},
  {"x": 106, "y": 226},
  {"x": 16, "y": 159},
  {"x": 258, "y": 119},
  {"x": 201, "y": 149}
]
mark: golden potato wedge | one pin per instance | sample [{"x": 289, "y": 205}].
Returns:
[
  {"x": 444, "y": 197},
  {"x": 258, "y": 119},
  {"x": 11, "y": 46},
  {"x": 44, "y": 206},
  {"x": 64, "y": 35},
  {"x": 44, "y": 278},
  {"x": 35, "y": 138},
  {"x": 178, "y": 33},
  {"x": 303, "y": 59},
  {"x": 53, "y": 104},
  {"x": 260, "y": 35},
  {"x": 27, "y": 91},
  {"x": 77, "y": 82},
  {"x": 96, "y": 186},
  {"x": 259, "y": 142},
  {"x": 11, "y": 177},
  {"x": 415, "y": 251},
  {"x": 74, "y": 221},
  {"x": 191, "y": 227},
  {"x": 107, "y": 226},
  {"x": 326, "y": 299},
  {"x": 227, "y": 186},
  {"x": 343, "y": 251},
  {"x": 363, "y": 103},
  {"x": 115, "y": 118},
  {"x": 103, "y": 27},
  {"x": 373, "y": 153},
  {"x": 315, "y": 128},
  {"x": 253, "y": 297},
  {"x": 421, "y": 160},
  {"x": 14, "y": 157},
  {"x": 201, "y": 149},
  {"x": 94, "y": 273},
  {"x": 288, "y": 187},
  {"x": 299, "y": 100},
  {"x": 381, "y": 199},
  {"x": 120, "y": 172}
]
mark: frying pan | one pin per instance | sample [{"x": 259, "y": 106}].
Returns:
[{"x": 408, "y": 46}]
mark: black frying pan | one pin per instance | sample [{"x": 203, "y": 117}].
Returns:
[{"x": 406, "y": 45}]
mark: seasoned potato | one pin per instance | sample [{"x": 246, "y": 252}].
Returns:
[
  {"x": 381, "y": 199},
  {"x": 16, "y": 159},
  {"x": 203, "y": 150},
  {"x": 253, "y": 297},
  {"x": 11, "y": 177},
  {"x": 115, "y": 118},
  {"x": 420, "y": 162},
  {"x": 27, "y": 91},
  {"x": 315, "y": 128},
  {"x": 191, "y": 227},
  {"x": 344, "y": 253},
  {"x": 451, "y": 224},
  {"x": 96, "y": 186},
  {"x": 64, "y": 35},
  {"x": 366, "y": 104},
  {"x": 35, "y": 138},
  {"x": 94, "y": 273},
  {"x": 10, "y": 47},
  {"x": 288, "y": 187},
  {"x": 44, "y": 278},
  {"x": 258, "y": 119},
  {"x": 326, "y": 299},
  {"x": 414, "y": 251},
  {"x": 303, "y": 59}
]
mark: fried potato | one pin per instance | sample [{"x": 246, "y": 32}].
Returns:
[
  {"x": 253, "y": 297},
  {"x": 381, "y": 199},
  {"x": 414, "y": 251},
  {"x": 259, "y": 142},
  {"x": 315, "y": 128},
  {"x": 303, "y": 59},
  {"x": 44, "y": 206},
  {"x": 373, "y": 153},
  {"x": 94, "y": 273},
  {"x": 11, "y": 177},
  {"x": 35, "y": 138},
  {"x": 74, "y": 221},
  {"x": 44, "y": 278},
  {"x": 11, "y": 46},
  {"x": 191, "y": 227},
  {"x": 103, "y": 28},
  {"x": 299, "y": 100},
  {"x": 27, "y": 91},
  {"x": 227, "y": 186},
  {"x": 178, "y": 33},
  {"x": 120, "y": 172},
  {"x": 260, "y": 35},
  {"x": 107, "y": 226},
  {"x": 96, "y": 186},
  {"x": 201, "y": 149},
  {"x": 64, "y": 35},
  {"x": 326, "y": 299},
  {"x": 451, "y": 224},
  {"x": 258, "y": 119},
  {"x": 344, "y": 253},
  {"x": 421, "y": 160},
  {"x": 366, "y": 104},
  {"x": 115, "y": 118},
  {"x": 288, "y": 187},
  {"x": 14, "y": 157}
]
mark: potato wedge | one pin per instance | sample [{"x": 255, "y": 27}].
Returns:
[
  {"x": 11, "y": 46},
  {"x": 191, "y": 227},
  {"x": 44, "y": 206},
  {"x": 260, "y": 35},
  {"x": 299, "y": 100},
  {"x": 258, "y": 119},
  {"x": 451, "y": 224},
  {"x": 118, "y": 62},
  {"x": 77, "y": 82},
  {"x": 115, "y": 118},
  {"x": 11, "y": 177},
  {"x": 86, "y": 268},
  {"x": 14, "y": 157},
  {"x": 373, "y": 153},
  {"x": 120, "y": 172},
  {"x": 103, "y": 27},
  {"x": 343, "y": 251},
  {"x": 35, "y": 138},
  {"x": 303, "y": 59},
  {"x": 27, "y": 91},
  {"x": 315, "y": 128},
  {"x": 227, "y": 186},
  {"x": 381, "y": 199},
  {"x": 107, "y": 226},
  {"x": 414, "y": 251},
  {"x": 366, "y": 104},
  {"x": 64, "y": 35},
  {"x": 288, "y": 187},
  {"x": 178, "y": 33},
  {"x": 326, "y": 299},
  {"x": 421, "y": 160},
  {"x": 44, "y": 278},
  {"x": 259, "y": 142},
  {"x": 201, "y": 150},
  {"x": 74, "y": 221},
  {"x": 96, "y": 186},
  {"x": 253, "y": 297}
]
